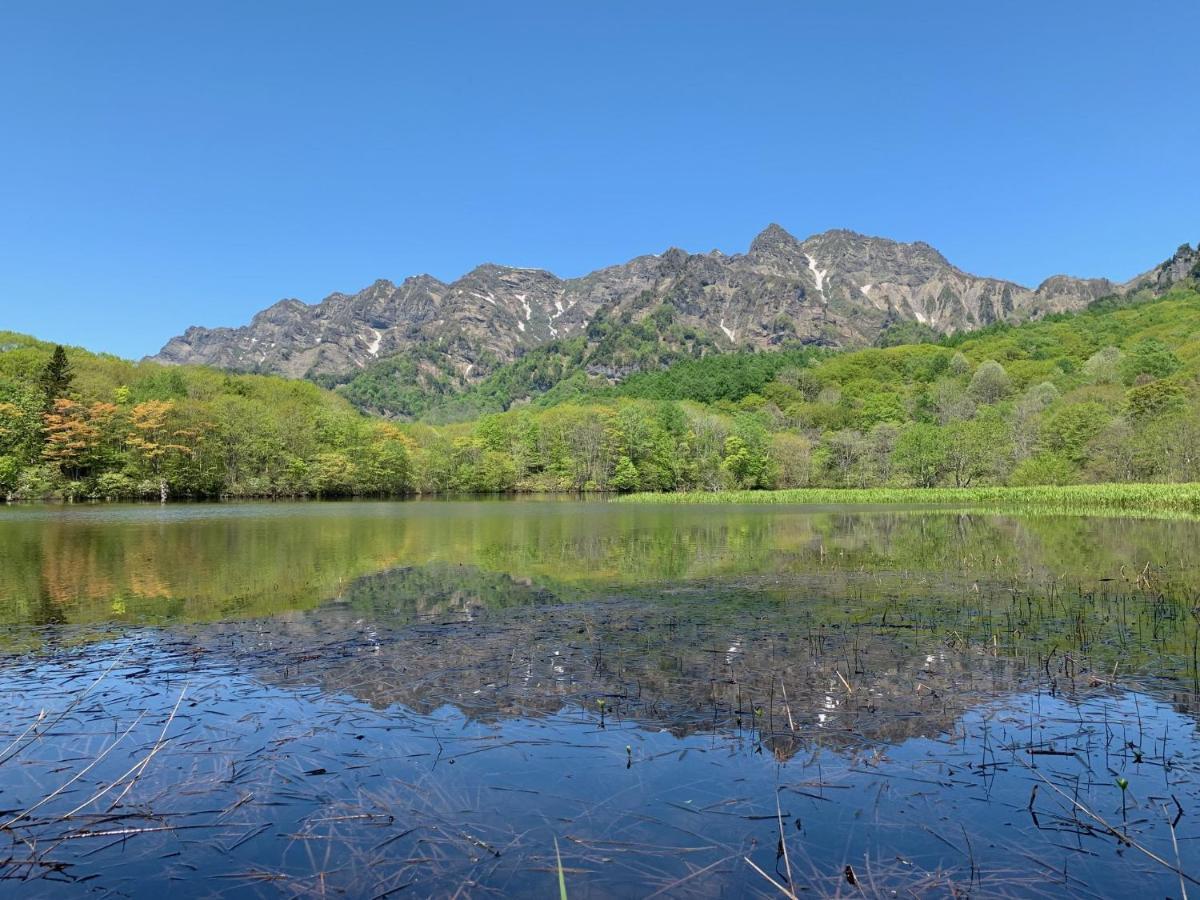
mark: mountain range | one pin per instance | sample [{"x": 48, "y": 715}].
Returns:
[{"x": 833, "y": 289}]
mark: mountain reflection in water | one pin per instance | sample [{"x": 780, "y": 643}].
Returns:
[
  {"x": 916, "y": 702},
  {"x": 682, "y": 665}
]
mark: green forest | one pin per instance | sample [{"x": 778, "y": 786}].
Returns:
[
  {"x": 79, "y": 425},
  {"x": 1107, "y": 395}
]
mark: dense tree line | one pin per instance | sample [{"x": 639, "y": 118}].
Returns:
[
  {"x": 1107, "y": 395},
  {"x": 79, "y": 425}
]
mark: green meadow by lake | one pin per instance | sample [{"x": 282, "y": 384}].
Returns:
[{"x": 425, "y": 695}]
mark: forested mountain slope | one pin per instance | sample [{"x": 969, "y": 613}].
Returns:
[{"x": 1110, "y": 394}]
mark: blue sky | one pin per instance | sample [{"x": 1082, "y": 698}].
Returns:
[{"x": 166, "y": 164}]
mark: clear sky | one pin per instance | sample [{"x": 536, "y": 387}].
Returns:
[{"x": 185, "y": 162}]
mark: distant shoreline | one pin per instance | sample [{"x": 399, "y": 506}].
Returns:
[{"x": 1128, "y": 499}]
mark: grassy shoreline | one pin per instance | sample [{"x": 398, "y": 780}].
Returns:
[{"x": 1124, "y": 498}]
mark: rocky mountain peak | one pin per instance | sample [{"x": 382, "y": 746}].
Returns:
[
  {"x": 422, "y": 280},
  {"x": 282, "y": 310},
  {"x": 775, "y": 249},
  {"x": 1183, "y": 263},
  {"x": 877, "y": 258},
  {"x": 773, "y": 239},
  {"x": 773, "y": 243},
  {"x": 1067, "y": 285},
  {"x": 837, "y": 288}
]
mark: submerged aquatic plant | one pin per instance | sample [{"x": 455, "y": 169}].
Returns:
[{"x": 562, "y": 878}]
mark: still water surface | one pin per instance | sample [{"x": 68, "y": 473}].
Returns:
[{"x": 377, "y": 699}]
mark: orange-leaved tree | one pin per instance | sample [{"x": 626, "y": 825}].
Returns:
[
  {"x": 71, "y": 437},
  {"x": 152, "y": 440}
]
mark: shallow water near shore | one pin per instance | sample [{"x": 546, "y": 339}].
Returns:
[{"x": 422, "y": 699}]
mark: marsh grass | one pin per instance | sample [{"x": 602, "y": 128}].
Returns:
[{"x": 1150, "y": 500}]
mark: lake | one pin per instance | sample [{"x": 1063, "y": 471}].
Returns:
[{"x": 474, "y": 698}]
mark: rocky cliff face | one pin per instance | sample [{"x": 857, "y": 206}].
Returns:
[
  {"x": 1184, "y": 263},
  {"x": 837, "y": 288}
]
